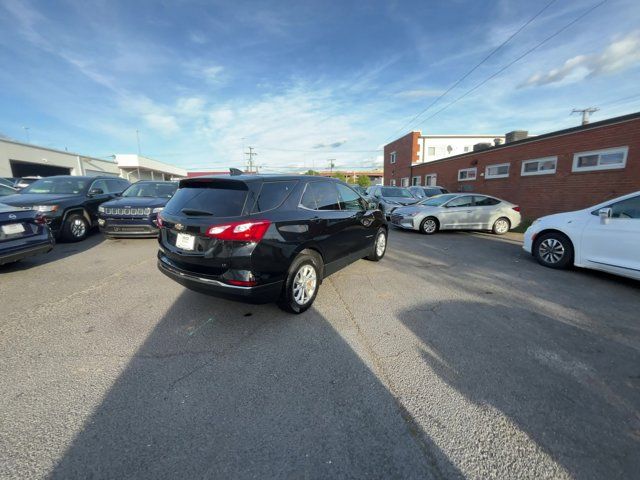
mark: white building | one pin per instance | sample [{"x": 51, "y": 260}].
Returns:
[
  {"x": 435, "y": 147},
  {"x": 137, "y": 167},
  {"x": 25, "y": 160}
]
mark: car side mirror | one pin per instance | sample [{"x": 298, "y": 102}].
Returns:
[
  {"x": 95, "y": 191},
  {"x": 118, "y": 194},
  {"x": 372, "y": 205},
  {"x": 605, "y": 214}
]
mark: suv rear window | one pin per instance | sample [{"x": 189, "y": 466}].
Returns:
[
  {"x": 272, "y": 194},
  {"x": 219, "y": 199}
]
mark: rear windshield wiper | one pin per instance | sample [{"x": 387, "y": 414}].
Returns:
[{"x": 195, "y": 212}]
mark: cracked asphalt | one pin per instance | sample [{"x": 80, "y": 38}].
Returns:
[{"x": 457, "y": 356}]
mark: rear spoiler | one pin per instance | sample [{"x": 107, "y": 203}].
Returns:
[{"x": 228, "y": 183}]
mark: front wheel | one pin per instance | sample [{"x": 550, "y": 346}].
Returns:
[
  {"x": 301, "y": 285},
  {"x": 429, "y": 226},
  {"x": 75, "y": 228},
  {"x": 379, "y": 247},
  {"x": 553, "y": 250}
]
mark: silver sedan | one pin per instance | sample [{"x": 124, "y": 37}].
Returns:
[{"x": 458, "y": 211}]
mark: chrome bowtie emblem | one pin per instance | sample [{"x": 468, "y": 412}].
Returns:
[
  {"x": 179, "y": 226},
  {"x": 12, "y": 216}
]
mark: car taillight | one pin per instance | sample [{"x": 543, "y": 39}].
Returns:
[
  {"x": 40, "y": 220},
  {"x": 516, "y": 208},
  {"x": 159, "y": 221},
  {"x": 242, "y": 283},
  {"x": 251, "y": 231}
]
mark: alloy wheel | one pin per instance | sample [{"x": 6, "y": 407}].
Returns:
[
  {"x": 502, "y": 226},
  {"x": 551, "y": 250},
  {"x": 430, "y": 226},
  {"x": 381, "y": 244},
  {"x": 304, "y": 284},
  {"x": 78, "y": 228}
]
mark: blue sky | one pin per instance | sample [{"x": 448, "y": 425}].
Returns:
[{"x": 301, "y": 81}]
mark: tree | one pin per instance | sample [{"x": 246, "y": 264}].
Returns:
[
  {"x": 340, "y": 176},
  {"x": 311, "y": 172},
  {"x": 364, "y": 181}
]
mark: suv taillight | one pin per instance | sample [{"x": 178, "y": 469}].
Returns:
[
  {"x": 251, "y": 231},
  {"x": 516, "y": 208}
]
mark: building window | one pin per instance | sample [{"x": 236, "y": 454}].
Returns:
[
  {"x": 392, "y": 157},
  {"x": 539, "y": 166},
  {"x": 404, "y": 182},
  {"x": 392, "y": 182},
  {"x": 431, "y": 151},
  {"x": 500, "y": 170},
  {"x": 607, "y": 159},
  {"x": 415, "y": 180},
  {"x": 467, "y": 174},
  {"x": 431, "y": 180}
]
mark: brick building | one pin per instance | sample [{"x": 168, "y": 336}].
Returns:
[{"x": 559, "y": 171}]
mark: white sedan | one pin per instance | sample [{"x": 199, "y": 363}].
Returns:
[
  {"x": 603, "y": 237},
  {"x": 458, "y": 211}
]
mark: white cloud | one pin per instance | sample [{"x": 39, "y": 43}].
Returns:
[
  {"x": 419, "y": 93},
  {"x": 166, "y": 124},
  {"x": 618, "y": 56},
  {"x": 212, "y": 73}
]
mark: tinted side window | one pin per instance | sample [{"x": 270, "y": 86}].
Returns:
[
  {"x": 629, "y": 208},
  {"x": 114, "y": 186},
  {"x": 349, "y": 200},
  {"x": 271, "y": 195},
  {"x": 206, "y": 199},
  {"x": 320, "y": 196},
  {"x": 486, "y": 201},
  {"x": 101, "y": 184},
  {"x": 461, "y": 202}
]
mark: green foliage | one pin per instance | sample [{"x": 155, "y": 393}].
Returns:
[
  {"x": 311, "y": 172},
  {"x": 340, "y": 176},
  {"x": 364, "y": 181}
]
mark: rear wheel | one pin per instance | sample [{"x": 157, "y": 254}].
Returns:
[
  {"x": 302, "y": 283},
  {"x": 501, "y": 226},
  {"x": 429, "y": 226},
  {"x": 379, "y": 247},
  {"x": 75, "y": 228},
  {"x": 553, "y": 250}
]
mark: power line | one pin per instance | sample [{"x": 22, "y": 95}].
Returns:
[
  {"x": 517, "y": 59},
  {"x": 461, "y": 79}
]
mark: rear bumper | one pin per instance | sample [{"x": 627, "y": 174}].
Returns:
[
  {"x": 210, "y": 286},
  {"x": 30, "y": 250}
]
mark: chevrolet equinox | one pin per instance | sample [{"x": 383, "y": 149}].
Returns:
[{"x": 266, "y": 238}]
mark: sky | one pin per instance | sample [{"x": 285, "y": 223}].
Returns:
[{"x": 304, "y": 82}]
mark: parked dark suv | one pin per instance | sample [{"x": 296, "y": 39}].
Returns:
[
  {"x": 68, "y": 203},
  {"x": 134, "y": 213},
  {"x": 266, "y": 238}
]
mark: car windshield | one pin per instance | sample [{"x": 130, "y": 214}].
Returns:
[
  {"x": 151, "y": 189},
  {"x": 65, "y": 185},
  {"x": 437, "y": 200},
  {"x": 396, "y": 192}
]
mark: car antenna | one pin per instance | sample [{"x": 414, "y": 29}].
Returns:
[{"x": 234, "y": 171}]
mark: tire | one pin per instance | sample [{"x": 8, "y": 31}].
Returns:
[
  {"x": 553, "y": 250},
  {"x": 75, "y": 228},
  {"x": 296, "y": 297},
  {"x": 429, "y": 226},
  {"x": 501, "y": 226},
  {"x": 379, "y": 247}
]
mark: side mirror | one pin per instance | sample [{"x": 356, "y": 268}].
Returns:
[
  {"x": 95, "y": 191},
  {"x": 118, "y": 194},
  {"x": 372, "y": 205},
  {"x": 605, "y": 214}
]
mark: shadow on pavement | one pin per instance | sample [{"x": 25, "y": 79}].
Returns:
[
  {"x": 60, "y": 250},
  {"x": 226, "y": 390}
]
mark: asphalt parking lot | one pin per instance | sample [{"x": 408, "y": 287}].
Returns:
[{"x": 455, "y": 356}]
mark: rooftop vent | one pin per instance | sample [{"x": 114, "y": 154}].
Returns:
[
  {"x": 481, "y": 146},
  {"x": 516, "y": 135}
]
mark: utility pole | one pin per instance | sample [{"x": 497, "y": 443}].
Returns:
[
  {"x": 250, "y": 154},
  {"x": 26, "y": 129},
  {"x": 331, "y": 165},
  {"x": 138, "y": 139},
  {"x": 585, "y": 113}
]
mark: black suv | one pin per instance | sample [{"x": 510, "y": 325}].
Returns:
[
  {"x": 68, "y": 203},
  {"x": 266, "y": 238}
]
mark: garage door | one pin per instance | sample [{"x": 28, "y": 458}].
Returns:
[{"x": 29, "y": 169}]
